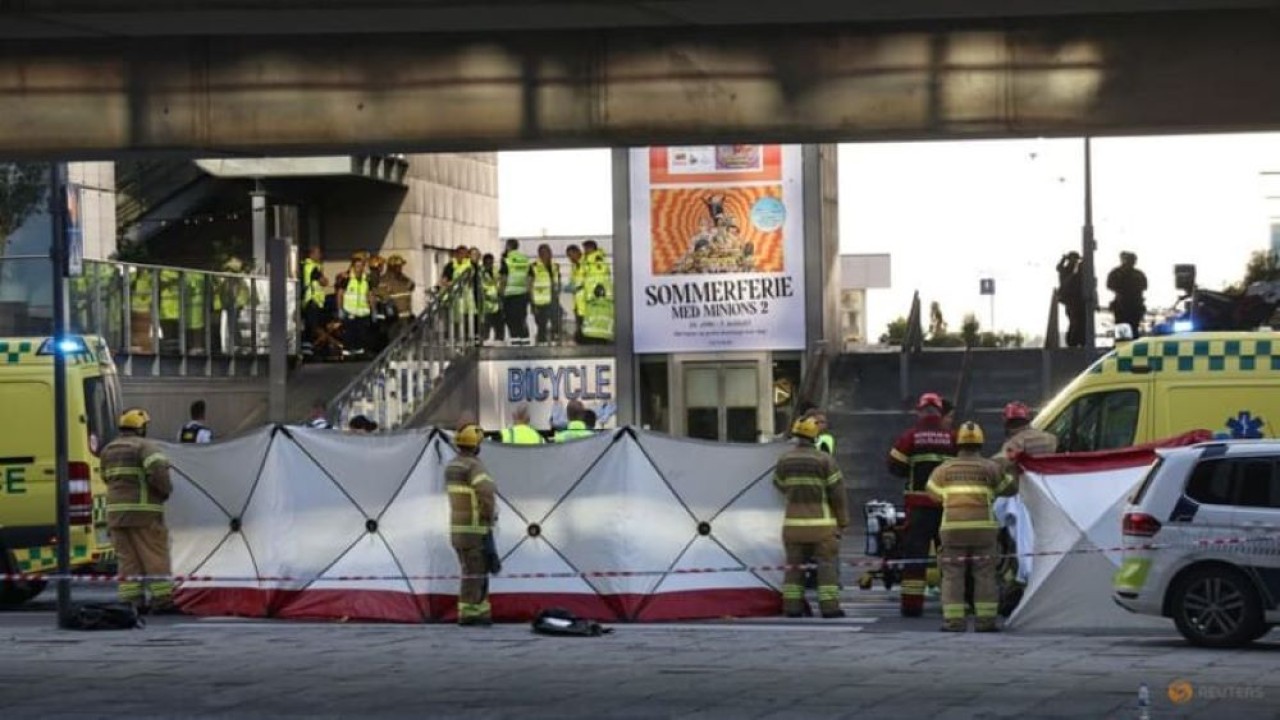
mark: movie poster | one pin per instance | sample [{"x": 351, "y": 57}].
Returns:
[{"x": 717, "y": 248}]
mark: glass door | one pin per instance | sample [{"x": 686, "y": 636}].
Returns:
[{"x": 722, "y": 401}]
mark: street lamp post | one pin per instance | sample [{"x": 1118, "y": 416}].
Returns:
[
  {"x": 58, "y": 258},
  {"x": 1087, "y": 270}
]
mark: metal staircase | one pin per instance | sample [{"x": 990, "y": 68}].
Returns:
[{"x": 400, "y": 382}]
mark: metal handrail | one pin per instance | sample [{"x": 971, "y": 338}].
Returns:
[
  {"x": 400, "y": 380},
  {"x": 102, "y": 303}
]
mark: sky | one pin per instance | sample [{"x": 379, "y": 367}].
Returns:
[{"x": 951, "y": 213}]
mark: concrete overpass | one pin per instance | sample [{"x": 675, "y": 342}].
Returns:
[{"x": 88, "y": 79}]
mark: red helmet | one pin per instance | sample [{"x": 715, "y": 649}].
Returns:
[
  {"x": 927, "y": 400},
  {"x": 1016, "y": 411}
]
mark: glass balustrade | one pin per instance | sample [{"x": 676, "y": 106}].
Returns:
[{"x": 147, "y": 310}]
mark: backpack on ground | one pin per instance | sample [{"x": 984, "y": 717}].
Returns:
[
  {"x": 561, "y": 622},
  {"x": 105, "y": 616}
]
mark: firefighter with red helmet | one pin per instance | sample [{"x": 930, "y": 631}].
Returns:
[
  {"x": 914, "y": 456},
  {"x": 1021, "y": 438}
]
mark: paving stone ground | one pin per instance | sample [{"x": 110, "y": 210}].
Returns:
[{"x": 871, "y": 665}]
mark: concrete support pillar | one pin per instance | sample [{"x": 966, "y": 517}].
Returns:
[
  {"x": 277, "y": 366},
  {"x": 624, "y": 336},
  {"x": 821, "y": 261},
  {"x": 258, "y": 208}
]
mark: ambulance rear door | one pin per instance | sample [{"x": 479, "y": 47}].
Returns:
[{"x": 27, "y": 477}]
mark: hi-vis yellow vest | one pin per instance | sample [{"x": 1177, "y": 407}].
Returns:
[
  {"x": 597, "y": 323},
  {"x": 355, "y": 299},
  {"x": 313, "y": 294},
  {"x": 463, "y": 290},
  {"x": 517, "y": 264},
  {"x": 489, "y": 286},
  {"x": 544, "y": 282}
]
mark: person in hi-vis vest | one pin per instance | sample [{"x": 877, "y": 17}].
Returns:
[
  {"x": 493, "y": 327},
  {"x": 314, "y": 287},
  {"x": 546, "y": 296},
  {"x": 515, "y": 292},
  {"x": 521, "y": 432},
  {"x": 357, "y": 307}
]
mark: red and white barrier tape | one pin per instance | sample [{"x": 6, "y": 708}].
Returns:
[{"x": 862, "y": 562}]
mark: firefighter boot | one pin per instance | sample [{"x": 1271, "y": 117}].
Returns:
[
  {"x": 954, "y": 626},
  {"x": 985, "y": 625}
]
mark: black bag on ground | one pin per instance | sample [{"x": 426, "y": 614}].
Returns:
[
  {"x": 105, "y": 616},
  {"x": 561, "y": 622}
]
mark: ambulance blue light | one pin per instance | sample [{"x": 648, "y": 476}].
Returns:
[
  {"x": 1182, "y": 326},
  {"x": 65, "y": 346}
]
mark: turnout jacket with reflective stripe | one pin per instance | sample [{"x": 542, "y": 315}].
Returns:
[
  {"x": 917, "y": 453},
  {"x": 137, "y": 477},
  {"x": 815, "y": 494},
  {"x": 471, "y": 499},
  {"x": 967, "y": 487},
  {"x": 1029, "y": 441}
]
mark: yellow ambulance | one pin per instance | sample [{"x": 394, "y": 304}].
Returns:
[
  {"x": 1158, "y": 387},
  {"x": 28, "y": 491}
]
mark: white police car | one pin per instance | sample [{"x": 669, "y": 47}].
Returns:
[{"x": 1202, "y": 542}]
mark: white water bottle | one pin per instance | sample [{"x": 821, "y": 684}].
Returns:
[{"x": 1144, "y": 702}]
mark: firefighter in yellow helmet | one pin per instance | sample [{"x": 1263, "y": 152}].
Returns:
[
  {"x": 472, "y": 511},
  {"x": 137, "y": 478},
  {"x": 815, "y": 517},
  {"x": 966, "y": 487}
]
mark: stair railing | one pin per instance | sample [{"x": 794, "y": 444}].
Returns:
[{"x": 400, "y": 380}]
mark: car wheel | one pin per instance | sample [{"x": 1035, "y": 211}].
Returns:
[
  {"x": 1217, "y": 607},
  {"x": 16, "y": 593}
]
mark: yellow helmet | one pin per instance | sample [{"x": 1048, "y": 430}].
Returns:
[
  {"x": 470, "y": 436},
  {"x": 969, "y": 434},
  {"x": 134, "y": 419},
  {"x": 395, "y": 260},
  {"x": 807, "y": 427}
]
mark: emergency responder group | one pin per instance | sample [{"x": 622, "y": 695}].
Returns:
[
  {"x": 493, "y": 299},
  {"x": 371, "y": 303},
  {"x": 949, "y": 495},
  {"x": 950, "y": 491}
]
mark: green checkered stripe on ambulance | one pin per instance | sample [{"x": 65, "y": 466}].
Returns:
[
  {"x": 11, "y": 352},
  {"x": 45, "y": 558},
  {"x": 17, "y": 352},
  {"x": 1191, "y": 356}
]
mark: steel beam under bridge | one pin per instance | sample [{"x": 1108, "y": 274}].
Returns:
[{"x": 1175, "y": 72}]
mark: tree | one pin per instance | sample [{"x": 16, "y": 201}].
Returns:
[
  {"x": 970, "y": 334},
  {"x": 22, "y": 188},
  {"x": 895, "y": 333},
  {"x": 1263, "y": 266},
  {"x": 969, "y": 330}
]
